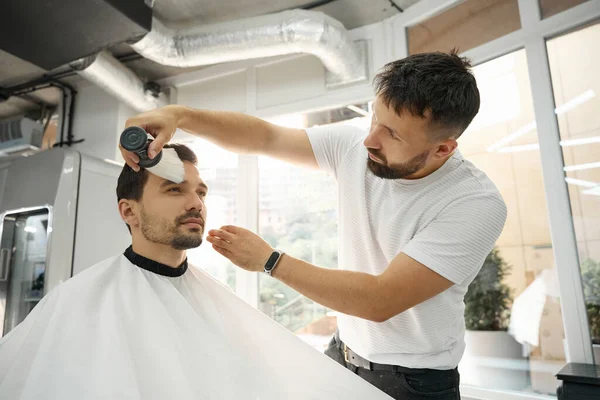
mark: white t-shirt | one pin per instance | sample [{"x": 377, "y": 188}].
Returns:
[{"x": 449, "y": 221}]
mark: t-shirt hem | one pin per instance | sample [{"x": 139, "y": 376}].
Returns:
[{"x": 433, "y": 265}]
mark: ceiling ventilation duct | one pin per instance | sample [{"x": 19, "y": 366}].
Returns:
[
  {"x": 116, "y": 79},
  {"x": 287, "y": 32}
]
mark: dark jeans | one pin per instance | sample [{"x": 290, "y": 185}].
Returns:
[{"x": 406, "y": 383}]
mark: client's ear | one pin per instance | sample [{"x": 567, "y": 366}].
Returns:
[{"x": 128, "y": 210}]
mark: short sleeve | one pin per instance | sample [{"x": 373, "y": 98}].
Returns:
[
  {"x": 456, "y": 243},
  {"x": 332, "y": 143}
]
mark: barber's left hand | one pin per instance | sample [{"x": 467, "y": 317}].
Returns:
[{"x": 242, "y": 247}]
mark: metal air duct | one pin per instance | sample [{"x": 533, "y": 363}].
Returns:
[
  {"x": 116, "y": 79},
  {"x": 287, "y": 32}
]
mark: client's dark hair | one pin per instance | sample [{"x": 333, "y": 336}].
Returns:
[
  {"x": 441, "y": 83},
  {"x": 130, "y": 184}
]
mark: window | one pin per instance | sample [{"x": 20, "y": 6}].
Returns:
[
  {"x": 553, "y": 7},
  {"x": 298, "y": 214},
  {"x": 465, "y": 26},
  {"x": 218, "y": 168},
  {"x": 576, "y": 84},
  {"x": 502, "y": 141}
]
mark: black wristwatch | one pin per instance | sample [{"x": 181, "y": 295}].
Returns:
[{"x": 272, "y": 262}]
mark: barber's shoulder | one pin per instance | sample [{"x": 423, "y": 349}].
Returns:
[{"x": 482, "y": 205}]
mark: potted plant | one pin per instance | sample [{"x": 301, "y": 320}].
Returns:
[
  {"x": 590, "y": 277},
  {"x": 490, "y": 352},
  {"x": 488, "y": 299}
]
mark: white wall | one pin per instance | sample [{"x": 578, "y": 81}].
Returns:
[
  {"x": 125, "y": 112},
  {"x": 99, "y": 119},
  {"x": 99, "y": 232}
]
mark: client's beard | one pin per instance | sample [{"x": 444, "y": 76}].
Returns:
[
  {"x": 159, "y": 230},
  {"x": 183, "y": 242}
]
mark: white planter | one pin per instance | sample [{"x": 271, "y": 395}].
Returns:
[
  {"x": 494, "y": 360},
  {"x": 597, "y": 354}
]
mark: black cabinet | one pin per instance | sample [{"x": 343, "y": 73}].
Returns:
[{"x": 579, "y": 382}]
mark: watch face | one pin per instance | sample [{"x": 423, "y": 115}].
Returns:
[{"x": 271, "y": 261}]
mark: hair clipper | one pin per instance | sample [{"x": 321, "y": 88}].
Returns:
[{"x": 135, "y": 139}]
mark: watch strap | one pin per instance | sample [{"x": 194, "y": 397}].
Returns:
[{"x": 272, "y": 262}]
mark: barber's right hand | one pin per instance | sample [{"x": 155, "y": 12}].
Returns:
[{"x": 161, "y": 123}]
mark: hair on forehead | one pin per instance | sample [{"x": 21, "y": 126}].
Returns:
[{"x": 130, "y": 184}]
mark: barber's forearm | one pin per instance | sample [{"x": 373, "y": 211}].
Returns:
[
  {"x": 233, "y": 131},
  {"x": 352, "y": 293}
]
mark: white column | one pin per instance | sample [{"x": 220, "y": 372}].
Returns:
[{"x": 564, "y": 242}]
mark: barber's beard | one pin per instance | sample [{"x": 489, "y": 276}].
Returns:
[
  {"x": 160, "y": 230},
  {"x": 397, "y": 171}
]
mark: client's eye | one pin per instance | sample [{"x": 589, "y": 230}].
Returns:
[{"x": 174, "y": 189}]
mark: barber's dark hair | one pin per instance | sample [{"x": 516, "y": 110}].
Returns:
[
  {"x": 130, "y": 184},
  {"x": 441, "y": 83}
]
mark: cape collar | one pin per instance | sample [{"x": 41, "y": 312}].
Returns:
[{"x": 153, "y": 266}]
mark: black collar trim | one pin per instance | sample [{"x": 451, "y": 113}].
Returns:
[{"x": 153, "y": 266}]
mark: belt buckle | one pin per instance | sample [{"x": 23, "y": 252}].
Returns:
[{"x": 346, "y": 353}]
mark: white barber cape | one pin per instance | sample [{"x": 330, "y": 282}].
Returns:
[{"x": 119, "y": 331}]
